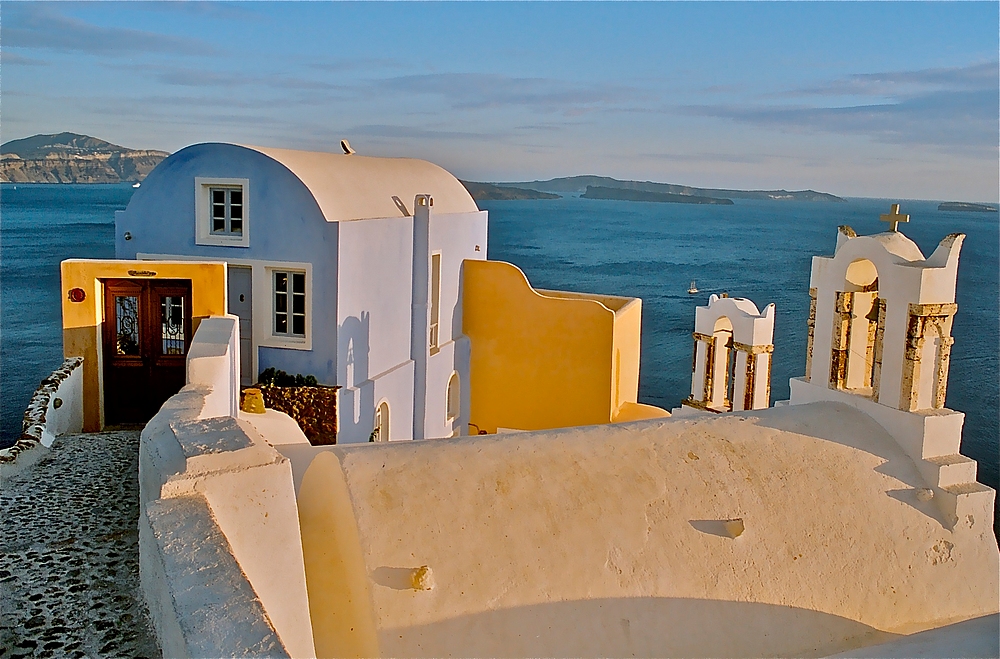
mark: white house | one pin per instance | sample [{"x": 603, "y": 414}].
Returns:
[{"x": 340, "y": 266}]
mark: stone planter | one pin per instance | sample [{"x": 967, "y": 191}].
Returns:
[{"x": 313, "y": 408}]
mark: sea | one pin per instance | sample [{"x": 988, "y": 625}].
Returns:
[{"x": 755, "y": 249}]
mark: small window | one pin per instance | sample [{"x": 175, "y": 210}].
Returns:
[
  {"x": 454, "y": 398},
  {"x": 289, "y": 303},
  {"x": 227, "y": 211},
  {"x": 435, "y": 302},
  {"x": 222, "y": 215}
]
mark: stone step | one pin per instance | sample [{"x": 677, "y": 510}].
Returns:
[
  {"x": 967, "y": 504},
  {"x": 954, "y": 469}
]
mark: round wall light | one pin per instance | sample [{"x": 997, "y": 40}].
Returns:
[{"x": 77, "y": 295}]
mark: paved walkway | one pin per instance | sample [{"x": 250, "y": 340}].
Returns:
[{"x": 69, "y": 555}]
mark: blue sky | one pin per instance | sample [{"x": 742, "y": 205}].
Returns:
[{"x": 858, "y": 99}]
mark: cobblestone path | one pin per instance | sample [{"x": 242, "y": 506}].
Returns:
[{"x": 69, "y": 554}]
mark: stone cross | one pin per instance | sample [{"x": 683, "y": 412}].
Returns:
[{"x": 894, "y": 218}]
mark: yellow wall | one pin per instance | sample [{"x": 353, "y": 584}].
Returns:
[
  {"x": 546, "y": 359},
  {"x": 82, "y": 321}
]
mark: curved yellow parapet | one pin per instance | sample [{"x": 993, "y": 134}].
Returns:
[{"x": 546, "y": 359}]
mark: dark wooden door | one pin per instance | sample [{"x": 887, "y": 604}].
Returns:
[{"x": 147, "y": 332}]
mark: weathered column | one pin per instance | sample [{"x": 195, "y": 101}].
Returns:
[
  {"x": 921, "y": 317},
  {"x": 751, "y": 393},
  {"x": 877, "y": 348},
  {"x": 698, "y": 365},
  {"x": 811, "y": 325},
  {"x": 709, "y": 386},
  {"x": 841, "y": 344}
]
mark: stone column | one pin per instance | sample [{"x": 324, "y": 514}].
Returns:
[
  {"x": 841, "y": 344},
  {"x": 922, "y": 317},
  {"x": 701, "y": 371},
  {"x": 751, "y": 401},
  {"x": 877, "y": 348},
  {"x": 811, "y": 324}
]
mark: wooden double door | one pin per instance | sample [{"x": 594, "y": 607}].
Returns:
[{"x": 147, "y": 333}]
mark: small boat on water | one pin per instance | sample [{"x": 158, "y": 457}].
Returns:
[
  {"x": 136, "y": 185},
  {"x": 692, "y": 289}
]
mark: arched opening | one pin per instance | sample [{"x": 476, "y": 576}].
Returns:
[
  {"x": 929, "y": 361},
  {"x": 859, "y": 317},
  {"x": 454, "y": 399},
  {"x": 723, "y": 364},
  {"x": 381, "y": 431}
]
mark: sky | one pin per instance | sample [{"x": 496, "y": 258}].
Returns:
[{"x": 895, "y": 100}]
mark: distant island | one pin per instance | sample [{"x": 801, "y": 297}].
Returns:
[
  {"x": 579, "y": 184},
  {"x": 490, "y": 192},
  {"x": 625, "y": 194},
  {"x": 967, "y": 207},
  {"x": 73, "y": 158}
]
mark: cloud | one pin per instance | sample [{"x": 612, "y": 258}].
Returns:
[
  {"x": 394, "y": 131},
  {"x": 37, "y": 26},
  {"x": 357, "y": 64},
  {"x": 974, "y": 77},
  {"x": 952, "y": 108},
  {"x": 477, "y": 91},
  {"x": 9, "y": 59}
]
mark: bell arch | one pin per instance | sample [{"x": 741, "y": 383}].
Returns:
[
  {"x": 731, "y": 362},
  {"x": 858, "y": 329}
]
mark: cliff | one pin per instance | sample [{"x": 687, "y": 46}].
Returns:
[
  {"x": 624, "y": 194},
  {"x": 490, "y": 192},
  {"x": 73, "y": 158},
  {"x": 577, "y": 184},
  {"x": 966, "y": 207}
]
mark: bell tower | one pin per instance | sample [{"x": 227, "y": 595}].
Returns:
[{"x": 879, "y": 339}]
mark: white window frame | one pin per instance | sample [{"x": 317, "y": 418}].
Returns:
[
  {"x": 203, "y": 212},
  {"x": 272, "y": 271}
]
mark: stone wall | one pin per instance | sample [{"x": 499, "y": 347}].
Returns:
[{"x": 313, "y": 408}]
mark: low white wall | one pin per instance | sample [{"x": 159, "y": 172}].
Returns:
[
  {"x": 56, "y": 408},
  {"x": 195, "y": 446}
]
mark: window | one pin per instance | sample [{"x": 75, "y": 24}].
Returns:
[
  {"x": 454, "y": 398},
  {"x": 289, "y": 303},
  {"x": 222, "y": 213},
  {"x": 227, "y": 211},
  {"x": 435, "y": 300}
]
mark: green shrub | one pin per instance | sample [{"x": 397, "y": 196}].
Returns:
[{"x": 270, "y": 377}]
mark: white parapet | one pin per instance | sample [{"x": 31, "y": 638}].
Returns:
[
  {"x": 196, "y": 450},
  {"x": 213, "y": 361},
  {"x": 56, "y": 408}
]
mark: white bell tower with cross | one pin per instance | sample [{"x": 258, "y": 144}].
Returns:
[{"x": 879, "y": 339}]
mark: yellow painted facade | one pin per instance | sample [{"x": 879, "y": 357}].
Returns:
[
  {"x": 548, "y": 359},
  {"x": 83, "y": 321}
]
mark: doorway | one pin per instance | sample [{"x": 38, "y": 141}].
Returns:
[
  {"x": 147, "y": 333},
  {"x": 241, "y": 304}
]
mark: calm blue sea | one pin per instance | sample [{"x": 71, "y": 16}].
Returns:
[{"x": 754, "y": 249}]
